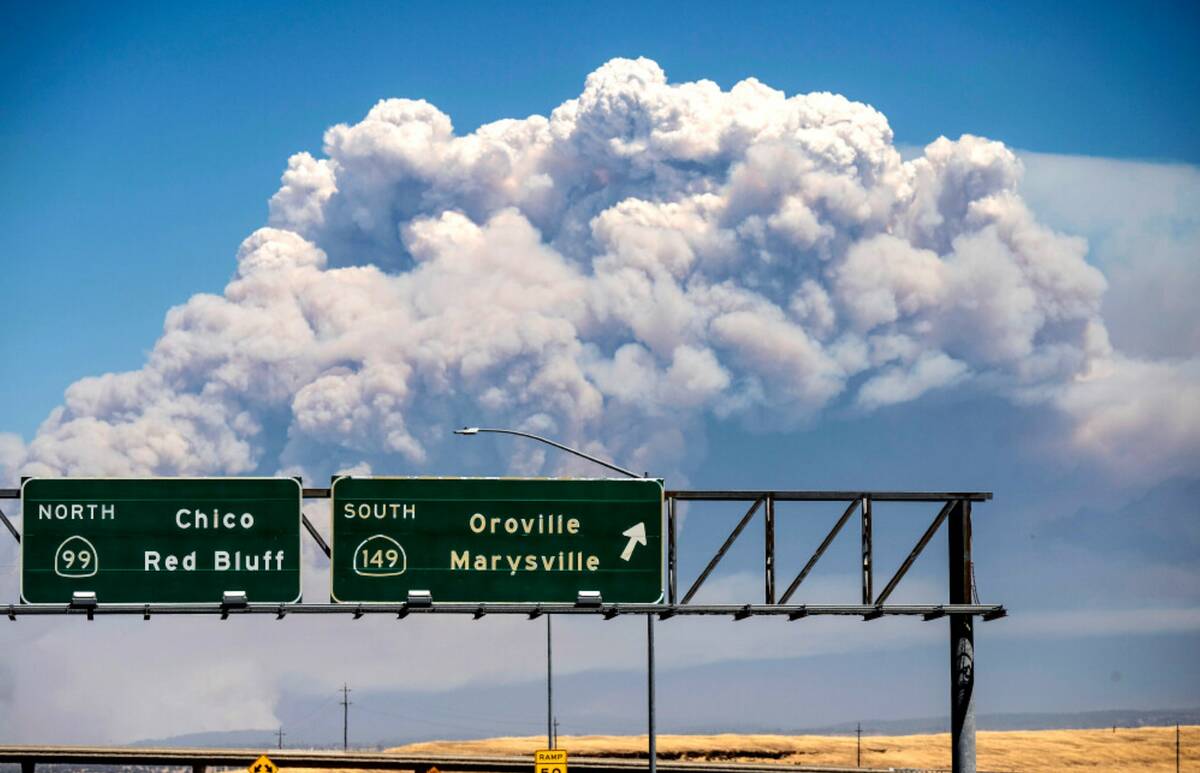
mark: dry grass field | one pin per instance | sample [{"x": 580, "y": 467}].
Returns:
[{"x": 1041, "y": 751}]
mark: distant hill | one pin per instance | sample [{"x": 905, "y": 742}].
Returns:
[
  {"x": 1122, "y": 718},
  {"x": 221, "y": 739}
]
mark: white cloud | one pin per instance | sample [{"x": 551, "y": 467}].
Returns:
[
  {"x": 648, "y": 255},
  {"x": 896, "y": 384},
  {"x": 1136, "y": 409},
  {"x": 1138, "y": 412},
  {"x": 1142, "y": 221}
]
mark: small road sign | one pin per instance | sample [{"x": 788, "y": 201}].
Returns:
[
  {"x": 160, "y": 540},
  {"x": 497, "y": 539},
  {"x": 550, "y": 761},
  {"x": 263, "y": 765}
]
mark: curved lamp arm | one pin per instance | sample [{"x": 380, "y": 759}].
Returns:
[{"x": 549, "y": 442}]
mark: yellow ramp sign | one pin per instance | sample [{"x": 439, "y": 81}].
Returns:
[
  {"x": 263, "y": 765},
  {"x": 550, "y": 761}
]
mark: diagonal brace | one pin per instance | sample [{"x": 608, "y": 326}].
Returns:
[
  {"x": 787, "y": 594},
  {"x": 11, "y": 529},
  {"x": 916, "y": 551},
  {"x": 316, "y": 535},
  {"x": 721, "y": 553}
]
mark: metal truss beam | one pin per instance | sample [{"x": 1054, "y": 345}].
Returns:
[
  {"x": 820, "y": 551},
  {"x": 744, "y": 495},
  {"x": 868, "y": 552},
  {"x": 316, "y": 535},
  {"x": 723, "y": 549},
  {"x": 11, "y": 529},
  {"x": 916, "y": 551},
  {"x": 769, "y": 555},
  {"x": 832, "y": 496},
  {"x": 672, "y": 560},
  {"x": 533, "y": 611}
]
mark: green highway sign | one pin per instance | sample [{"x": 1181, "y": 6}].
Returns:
[
  {"x": 497, "y": 539},
  {"x": 160, "y": 540}
]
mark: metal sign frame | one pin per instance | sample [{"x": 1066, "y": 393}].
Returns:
[
  {"x": 301, "y": 527},
  {"x": 498, "y": 479}
]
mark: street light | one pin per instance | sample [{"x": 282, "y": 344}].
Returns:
[
  {"x": 549, "y": 442},
  {"x": 587, "y": 600}
]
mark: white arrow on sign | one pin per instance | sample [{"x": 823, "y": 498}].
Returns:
[{"x": 637, "y": 536}]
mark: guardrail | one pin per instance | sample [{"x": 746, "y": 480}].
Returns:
[{"x": 201, "y": 759}]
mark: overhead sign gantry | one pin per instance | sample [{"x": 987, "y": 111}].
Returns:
[{"x": 459, "y": 545}]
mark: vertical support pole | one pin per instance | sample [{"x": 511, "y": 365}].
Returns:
[
  {"x": 672, "y": 594},
  {"x": 868, "y": 593},
  {"x": 651, "y": 738},
  {"x": 549, "y": 688},
  {"x": 769, "y": 566},
  {"x": 27, "y": 766},
  {"x": 962, "y": 644},
  {"x": 199, "y": 767}
]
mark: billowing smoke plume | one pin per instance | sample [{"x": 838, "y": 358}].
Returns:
[{"x": 649, "y": 255}]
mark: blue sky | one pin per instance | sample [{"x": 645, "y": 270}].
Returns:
[
  {"x": 194, "y": 110},
  {"x": 141, "y": 143}
]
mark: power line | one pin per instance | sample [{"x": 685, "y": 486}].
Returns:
[
  {"x": 307, "y": 720},
  {"x": 473, "y": 720},
  {"x": 433, "y": 722}
]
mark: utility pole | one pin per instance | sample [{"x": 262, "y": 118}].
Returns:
[
  {"x": 281, "y": 734},
  {"x": 556, "y": 732},
  {"x": 1176, "y": 747},
  {"x": 345, "y": 717},
  {"x": 858, "y": 763}
]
